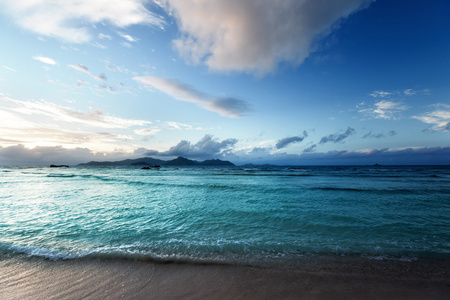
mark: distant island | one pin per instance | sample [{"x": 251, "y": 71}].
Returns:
[{"x": 149, "y": 161}]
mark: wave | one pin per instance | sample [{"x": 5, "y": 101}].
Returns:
[
  {"x": 418, "y": 191},
  {"x": 245, "y": 256},
  {"x": 400, "y": 191},
  {"x": 61, "y": 175}
]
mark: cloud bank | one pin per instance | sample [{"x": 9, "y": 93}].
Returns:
[
  {"x": 208, "y": 148},
  {"x": 385, "y": 156},
  {"x": 254, "y": 35},
  {"x": 225, "y": 106},
  {"x": 68, "y": 20},
  {"x": 46, "y": 155}
]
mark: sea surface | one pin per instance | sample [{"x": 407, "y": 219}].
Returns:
[{"x": 225, "y": 215}]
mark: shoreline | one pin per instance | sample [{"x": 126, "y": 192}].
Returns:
[{"x": 321, "y": 277}]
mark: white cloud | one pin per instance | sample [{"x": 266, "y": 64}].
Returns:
[
  {"x": 409, "y": 92},
  {"x": 42, "y": 109},
  {"x": 254, "y": 35},
  {"x": 98, "y": 45},
  {"x": 126, "y": 45},
  {"x": 440, "y": 118},
  {"x": 42, "y": 122},
  {"x": 45, "y": 60},
  {"x": 104, "y": 36},
  {"x": 384, "y": 110},
  {"x": 147, "y": 131},
  {"x": 127, "y": 37},
  {"x": 380, "y": 94},
  {"x": 180, "y": 126},
  {"x": 229, "y": 107},
  {"x": 67, "y": 19}
]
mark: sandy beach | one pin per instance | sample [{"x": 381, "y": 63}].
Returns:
[{"x": 316, "y": 278}]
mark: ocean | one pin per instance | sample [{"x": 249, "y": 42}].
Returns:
[{"x": 237, "y": 215}]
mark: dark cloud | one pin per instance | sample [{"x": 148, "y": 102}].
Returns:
[
  {"x": 310, "y": 149},
  {"x": 232, "y": 106},
  {"x": 370, "y": 134},
  {"x": 446, "y": 127},
  {"x": 207, "y": 147},
  {"x": 373, "y": 135},
  {"x": 225, "y": 106},
  {"x": 289, "y": 140},
  {"x": 106, "y": 88},
  {"x": 337, "y": 137},
  {"x": 408, "y": 156},
  {"x": 257, "y": 150},
  {"x": 101, "y": 77},
  {"x": 82, "y": 68}
]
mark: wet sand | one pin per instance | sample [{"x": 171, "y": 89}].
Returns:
[{"x": 316, "y": 278}]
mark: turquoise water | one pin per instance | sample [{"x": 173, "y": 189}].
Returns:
[{"x": 238, "y": 215}]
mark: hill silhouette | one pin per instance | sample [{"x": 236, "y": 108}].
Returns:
[{"x": 148, "y": 161}]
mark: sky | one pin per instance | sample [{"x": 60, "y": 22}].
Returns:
[{"x": 287, "y": 82}]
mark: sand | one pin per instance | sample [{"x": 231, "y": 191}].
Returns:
[{"x": 313, "y": 278}]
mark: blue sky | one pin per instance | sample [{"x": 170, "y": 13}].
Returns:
[{"x": 257, "y": 81}]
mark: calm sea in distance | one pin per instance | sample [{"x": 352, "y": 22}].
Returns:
[{"x": 225, "y": 215}]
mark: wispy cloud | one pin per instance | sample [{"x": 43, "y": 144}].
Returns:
[
  {"x": 104, "y": 36},
  {"x": 225, "y": 106},
  {"x": 283, "y": 143},
  {"x": 45, "y": 60},
  {"x": 127, "y": 37},
  {"x": 409, "y": 92},
  {"x": 254, "y": 35},
  {"x": 147, "y": 131},
  {"x": 380, "y": 94},
  {"x": 384, "y": 110},
  {"x": 107, "y": 88},
  {"x": 56, "y": 112},
  {"x": 337, "y": 137},
  {"x": 439, "y": 118},
  {"x": 9, "y": 68},
  {"x": 67, "y": 19},
  {"x": 397, "y": 93},
  {"x": 84, "y": 69},
  {"x": 44, "y": 122}
]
